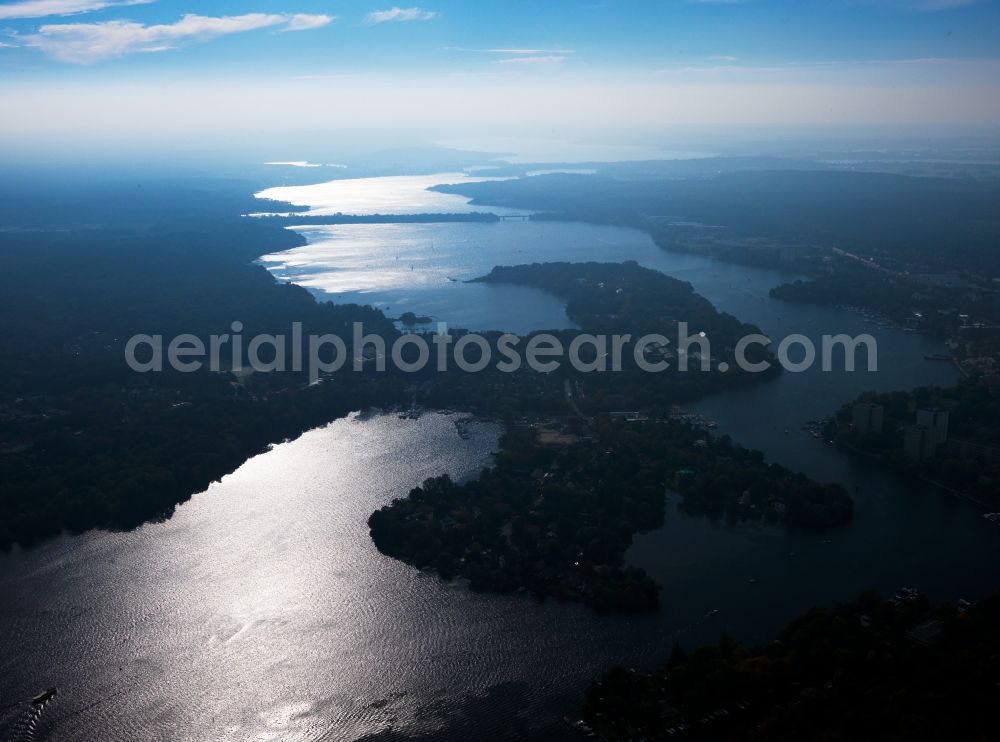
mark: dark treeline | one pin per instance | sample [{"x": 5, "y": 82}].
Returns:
[
  {"x": 941, "y": 223},
  {"x": 867, "y": 670},
  {"x": 557, "y": 512},
  {"x": 338, "y": 218},
  {"x": 937, "y": 307},
  {"x": 625, "y": 298},
  {"x": 919, "y": 250},
  {"x": 86, "y": 442}
]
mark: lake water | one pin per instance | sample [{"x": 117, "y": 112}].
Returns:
[
  {"x": 423, "y": 267},
  {"x": 262, "y": 611},
  {"x": 397, "y": 195}
]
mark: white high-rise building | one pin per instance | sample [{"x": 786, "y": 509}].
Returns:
[
  {"x": 920, "y": 442},
  {"x": 936, "y": 420},
  {"x": 867, "y": 418}
]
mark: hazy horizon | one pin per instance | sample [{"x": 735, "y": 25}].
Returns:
[{"x": 94, "y": 78}]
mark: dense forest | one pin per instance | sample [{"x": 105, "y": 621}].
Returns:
[
  {"x": 943, "y": 224},
  {"x": 867, "y": 670},
  {"x": 920, "y": 250},
  {"x": 557, "y": 512},
  {"x": 86, "y": 442},
  {"x": 943, "y": 306},
  {"x": 625, "y": 298},
  {"x": 286, "y": 218}
]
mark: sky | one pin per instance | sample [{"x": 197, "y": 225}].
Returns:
[{"x": 82, "y": 71}]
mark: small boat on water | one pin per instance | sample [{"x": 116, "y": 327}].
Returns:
[{"x": 44, "y": 697}]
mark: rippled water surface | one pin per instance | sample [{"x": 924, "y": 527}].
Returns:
[
  {"x": 396, "y": 194},
  {"x": 424, "y": 268},
  {"x": 262, "y": 611}
]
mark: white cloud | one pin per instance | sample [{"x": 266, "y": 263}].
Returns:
[
  {"x": 920, "y": 6},
  {"x": 941, "y": 4},
  {"x": 399, "y": 15},
  {"x": 543, "y": 60},
  {"x": 306, "y": 22},
  {"x": 43, "y": 8},
  {"x": 84, "y": 43},
  {"x": 511, "y": 51}
]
